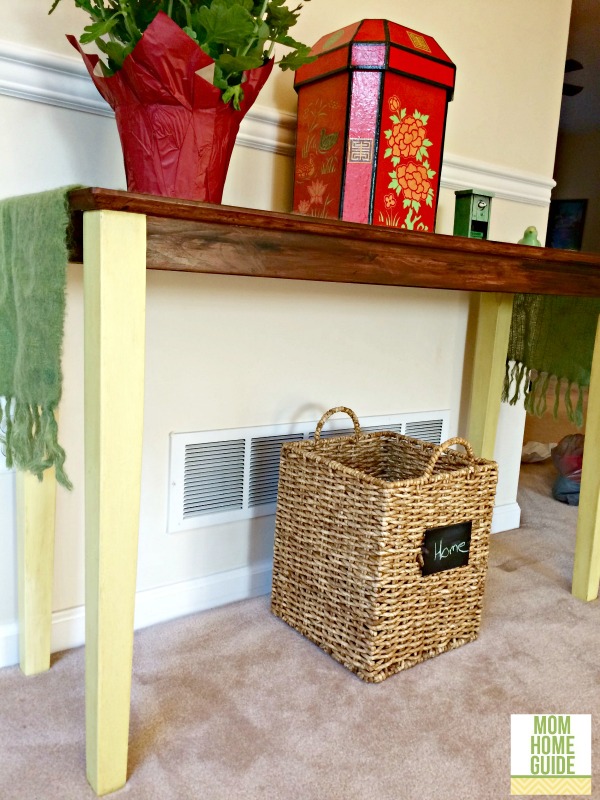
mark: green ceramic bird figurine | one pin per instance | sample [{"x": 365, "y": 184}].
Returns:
[{"x": 530, "y": 237}]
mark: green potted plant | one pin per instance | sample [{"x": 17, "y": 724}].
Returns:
[{"x": 180, "y": 75}]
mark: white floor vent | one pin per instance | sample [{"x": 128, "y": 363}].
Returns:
[{"x": 228, "y": 475}]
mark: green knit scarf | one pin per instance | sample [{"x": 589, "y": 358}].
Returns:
[
  {"x": 34, "y": 254},
  {"x": 551, "y": 344}
]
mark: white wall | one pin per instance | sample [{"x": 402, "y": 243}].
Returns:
[{"x": 231, "y": 352}]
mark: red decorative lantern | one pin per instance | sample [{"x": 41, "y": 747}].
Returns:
[{"x": 371, "y": 121}]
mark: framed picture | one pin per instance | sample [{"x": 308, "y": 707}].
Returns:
[{"x": 565, "y": 224}]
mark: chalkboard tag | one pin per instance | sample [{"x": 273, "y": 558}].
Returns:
[{"x": 446, "y": 548}]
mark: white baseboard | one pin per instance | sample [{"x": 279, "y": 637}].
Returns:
[
  {"x": 9, "y": 644},
  {"x": 189, "y": 597},
  {"x": 186, "y": 597},
  {"x": 152, "y": 606},
  {"x": 506, "y": 517}
]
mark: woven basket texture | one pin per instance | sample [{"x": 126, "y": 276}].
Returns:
[{"x": 351, "y": 518}]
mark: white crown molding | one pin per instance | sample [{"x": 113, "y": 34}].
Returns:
[
  {"x": 43, "y": 77},
  {"x": 266, "y": 129},
  {"x": 504, "y": 183},
  {"x": 64, "y": 82}
]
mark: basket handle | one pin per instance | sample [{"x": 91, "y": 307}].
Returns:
[
  {"x": 442, "y": 449},
  {"x": 330, "y": 413}
]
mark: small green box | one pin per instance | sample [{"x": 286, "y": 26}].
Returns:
[{"x": 472, "y": 214}]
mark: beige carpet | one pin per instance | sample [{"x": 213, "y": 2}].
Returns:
[{"x": 233, "y": 704}]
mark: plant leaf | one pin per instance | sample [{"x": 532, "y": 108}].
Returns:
[
  {"x": 279, "y": 17},
  {"x": 286, "y": 41},
  {"x": 190, "y": 32},
  {"x": 228, "y": 25},
  {"x": 230, "y": 64},
  {"x": 296, "y": 59},
  {"x": 98, "y": 29},
  {"x": 233, "y": 94},
  {"x": 117, "y": 53}
]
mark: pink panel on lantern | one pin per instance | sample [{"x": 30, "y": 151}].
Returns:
[
  {"x": 361, "y": 146},
  {"x": 368, "y": 55}
]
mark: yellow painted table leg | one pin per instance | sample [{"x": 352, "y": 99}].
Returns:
[
  {"x": 114, "y": 302},
  {"x": 586, "y": 570},
  {"x": 489, "y": 364},
  {"x": 36, "y": 506}
]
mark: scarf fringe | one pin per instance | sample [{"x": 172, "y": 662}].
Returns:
[
  {"x": 519, "y": 381},
  {"x": 30, "y": 440}
]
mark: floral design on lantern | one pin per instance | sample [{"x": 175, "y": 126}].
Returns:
[
  {"x": 319, "y": 160},
  {"x": 414, "y": 180},
  {"x": 412, "y": 176},
  {"x": 408, "y": 137},
  {"x": 316, "y": 191}
]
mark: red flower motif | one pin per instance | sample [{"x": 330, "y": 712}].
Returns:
[
  {"x": 394, "y": 104},
  {"x": 390, "y": 200},
  {"x": 407, "y": 137},
  {"x": 414, "y": 181},
  {"x": 316, "y": 190}
]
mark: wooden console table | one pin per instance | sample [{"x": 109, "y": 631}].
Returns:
[{"x": 119, "y": 236}]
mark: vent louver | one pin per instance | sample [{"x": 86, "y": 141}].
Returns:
[
  {"x": 213, "y": 477},
  {"x": 264, "y": 467},
  {"x": 427, "y": 430},
  {"x": 225, "y": 476}
]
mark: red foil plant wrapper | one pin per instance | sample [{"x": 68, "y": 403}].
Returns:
[{"x": 177, "y": 134}]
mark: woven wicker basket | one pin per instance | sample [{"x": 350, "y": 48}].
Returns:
[{"x": 352, "y": 516}]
